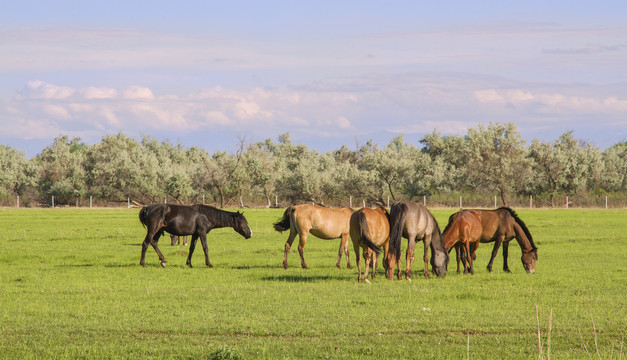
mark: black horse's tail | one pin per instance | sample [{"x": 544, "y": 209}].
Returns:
[
  {"x": 364, "y": 234},
  {"x": 524, "y": 229},
  {"x": 142, "y": 215},
  {"x": 398, "y": 212},
  {"x": 285, "y": 222}
]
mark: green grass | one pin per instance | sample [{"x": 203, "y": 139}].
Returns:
[{"x": 71, "y": 287}]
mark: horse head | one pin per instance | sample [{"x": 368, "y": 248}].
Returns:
[
  {"x": 241, "y": 226},
  {"x": 529, "y": 260},
  {"x": 439, "y": 263}
]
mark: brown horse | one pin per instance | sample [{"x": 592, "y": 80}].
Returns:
[
  {"x": 370, "y": 229},
  {"x": 469, "y": 227},
  {"x": 413, "y": 221},
  {"x": 320, "y": 221}
]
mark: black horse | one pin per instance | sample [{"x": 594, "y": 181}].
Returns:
[{"x": 195, "y": 220}]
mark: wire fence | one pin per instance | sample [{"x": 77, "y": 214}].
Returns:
[{"x": 450, "y": 200}]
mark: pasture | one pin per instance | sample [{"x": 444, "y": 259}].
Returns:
[{"x": 71, "y": 287}]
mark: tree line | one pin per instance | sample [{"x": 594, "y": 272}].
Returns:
[{"x": 488, "y": 161}]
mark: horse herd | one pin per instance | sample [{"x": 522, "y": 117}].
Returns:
[{"x": 369, "y": 229}]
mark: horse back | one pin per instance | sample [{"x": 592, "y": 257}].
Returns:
[{"x": 322, "y": 222}]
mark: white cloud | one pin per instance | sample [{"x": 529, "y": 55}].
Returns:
[
  {"x": 57, "y": 112},
  {"x": 92, "y": 93},
  {"x": 138, "y": 93},
  {"x": 41, "y": 90}
]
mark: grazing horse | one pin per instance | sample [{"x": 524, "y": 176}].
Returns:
[
  {"x": 176, "y": 240},
  {"x": 320, "y": 221},
  {"x": 469, "y": 227},
  {"x": 414, "y": 222},
  {"x": 195, "y": 220},
  {"x": 370, "y": 229}
]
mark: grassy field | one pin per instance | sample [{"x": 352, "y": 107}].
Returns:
[{"x": 71, "y": 287}]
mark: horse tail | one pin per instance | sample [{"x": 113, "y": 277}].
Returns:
[
  {"x": 398, "y": 212},
  {"x": 142, "y": 215},
  {"x": 284, "y": 222},
  {"x": 364, "y": 234},
  {"x": 524, "y": 229}
]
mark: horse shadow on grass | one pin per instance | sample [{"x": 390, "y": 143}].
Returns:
[{"x": 303, "y": 278}]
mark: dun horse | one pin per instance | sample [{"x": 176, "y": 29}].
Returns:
[
  {"x": 370, "y": 229},
  {"x": 469, "y": 227},
  {"x": 414, "y": 222},
  {"x": 195, "y": 220},
  {"x": 322, "y": 222}
]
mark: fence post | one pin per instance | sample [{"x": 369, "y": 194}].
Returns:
[
  {"x": 203, "y": 199},
  {"x": 460, "y": 201},
  {"x": 165, "y": 199},
  {"x": 530, "y": 201},
  {"x": 276, "y": 200},
  {"x": 363, "y": 202},
  {"x": 18, "y": 201},
  {"x": 388, "y": 201},
  {"x": 128, "y": 203},
  {"x": 605, "y": 201},
  {"x": 52, "y": 200},
  {"x": 350, "y": 201},
  {"x": 90, "y": 198},
  {"x": 424, "y": 200},
  {"x": 495, "y": 201},
  {"x": 567, "y": 202}
]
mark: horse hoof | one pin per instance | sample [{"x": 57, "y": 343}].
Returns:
[
  {"x": 349, "y": 266},
  {"x": 367, "y": 281},
  {"x": 163, "y": 264}
]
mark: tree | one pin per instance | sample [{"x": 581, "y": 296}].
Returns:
[
  {"x": 615, "y": 167},
  {"x": 568, "y": 166},
  {"x": 496, "y": 159},
  {"x": 62, "y": 173},
  {"x": 119, "y": 167},
  {"x": 390, "y": 166},
  {"x": 17, "y": 173}
]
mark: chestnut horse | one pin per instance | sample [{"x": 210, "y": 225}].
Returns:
[
  {"x": 413, "y": 221},
  {"x": 370, "y": 229},
  {"x": 195, "y": 220},
  {"x": 469, "y": 227},
  {"x": 321, "y": 222}
]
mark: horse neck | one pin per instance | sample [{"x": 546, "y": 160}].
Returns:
[
  {"x": 437, "y": 240},
  {"x": 219, "y": 218},
  {"x": 523, "y": 240}
]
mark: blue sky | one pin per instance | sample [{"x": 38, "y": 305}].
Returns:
[{"x": 204, "y": 73}]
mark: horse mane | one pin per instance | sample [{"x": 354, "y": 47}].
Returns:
[
  {"x": 221, "y": 218},
  {"x": 522, "y": 225}
]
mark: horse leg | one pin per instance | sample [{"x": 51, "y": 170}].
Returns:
[
  {"x": 425, "y": 256},
  {"x": 505, "y": 251},
  {"x": 495, "y": 250},
  {"x": 409, "y": 256},
  {"x": 368, "y": 260},
  {"x": 469, "y": 257},
  {"x": 343, "y": 249},
  {"x": 358, "y": 259},
  {"x": 288, "y": 245},
  {"x": 458, "y": 256},
  {"x": 346, "y": 251},
  {"x": 192, "y": 246},
  {"x": 205, "y": 248},
  {"x": 145, "y": 245},
  {"x": 302, "y": 239},
  {"x": 154, "y": 241}
]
